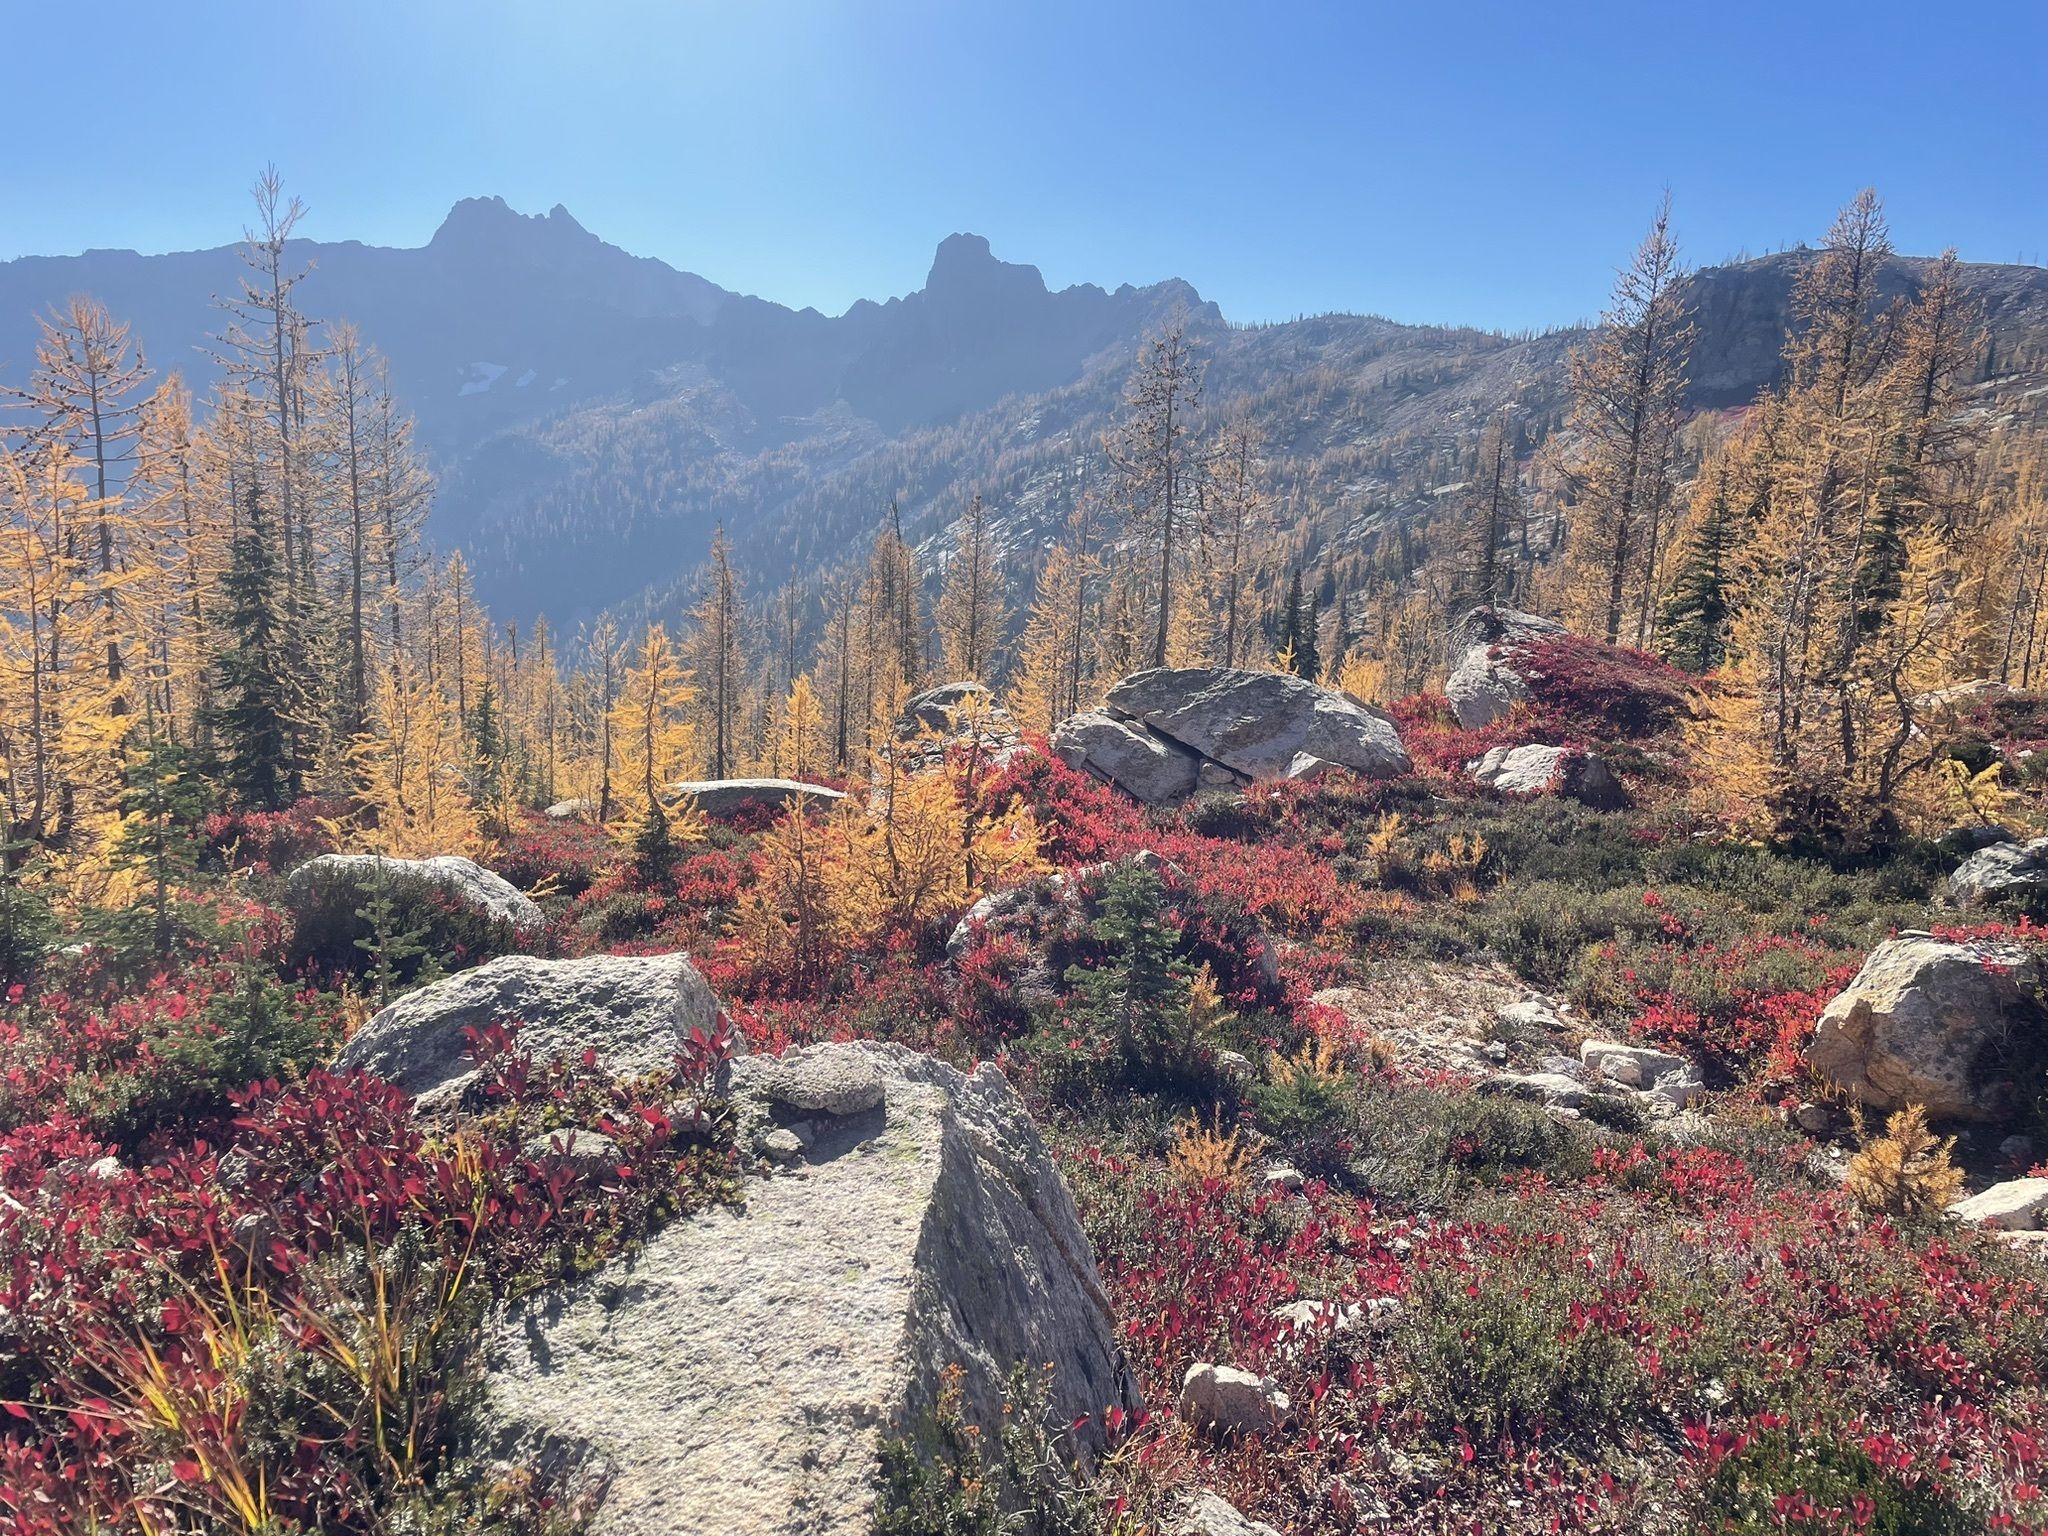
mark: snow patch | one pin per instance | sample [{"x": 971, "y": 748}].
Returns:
[{"x": 481, "y": 377}]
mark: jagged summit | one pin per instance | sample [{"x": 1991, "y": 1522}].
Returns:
[
  {"x": 965, "y": 262},
  {"x": 485, "y": 220}
]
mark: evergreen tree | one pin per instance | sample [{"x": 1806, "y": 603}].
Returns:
[
  {"x": 486, "y": 749},
  {"x": 27, "y": 921},
  {"x": 162, "y": 805},
  {"x": 1298, "y": 632},
  {"x": 1693, "y": 623},
  {"x": 252, "y": 722},
  {"x": 1136, "y": 997},
  {"x": 397, "y": 951}
]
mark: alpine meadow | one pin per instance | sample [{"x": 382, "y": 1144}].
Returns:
[{"x": 629, "y": 908}]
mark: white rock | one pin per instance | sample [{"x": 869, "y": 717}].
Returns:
[
  {"x": 2003, "y": 870},
  {"x": 1259, "y": 723},
  {"x": 738, "y": 1376},
  {"x": 1483, "y": 688},
  {"x": 2017, "y": 1205},
  {"x": 1205, "y": 1514},
  {"x": 464, "y": 879},
  {"x": 1678, "y": 1088},
  {"x": 1140, "y": 762},
  {"x": 830, "y": 1078},
  {"x": 635, "y": 1011},
  {"x": 1225, "y": 1400},
  {"x": 1921, "y": 1023},
  {"x": 1283, "y": 1176},
  {"x": 1527, "y": 770},
  {"x": 1634, "y": 1066},
  {"x": 726, "y": 797}
]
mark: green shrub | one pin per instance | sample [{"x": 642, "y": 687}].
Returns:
[
  {"x": 1424, "y": 1145},
  {"x": 1304, "y": 1108},
  {"x": 946, "y": 1477},
  {"x": 1486, "y": 1352},
  {"x": 338, "y": 916},
  {"x": 245, "y": 1034},
  {"x": 1741, "y": 1497}
]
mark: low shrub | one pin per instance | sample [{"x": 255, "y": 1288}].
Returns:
[
  {"x": 343, "y": 924},
  {"x": 944, "y": 1476},
  {"x": 1778, "y": 1484},
  {"x": 1522, "y": 1341}
]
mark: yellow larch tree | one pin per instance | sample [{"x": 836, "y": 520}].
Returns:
[
  {"x": 971, "y": 607},
  {"x": 408, "y": 770},
  {"x": 650, "y": 732}
]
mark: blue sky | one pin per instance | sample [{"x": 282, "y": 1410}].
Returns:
[{"x": 1489, "y": 163}]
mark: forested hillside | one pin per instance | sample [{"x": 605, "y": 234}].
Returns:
[{"x": 592, "y": 418}]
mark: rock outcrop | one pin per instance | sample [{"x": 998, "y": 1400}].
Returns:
[
  {"x": 1164, "y": 733},
  {"x": 571, "y": 810},
  {"x": 634, "y": 1011},
  {"x": 1224, "y": 1400},
  {"x": 1484, "y": 684},
  {"x": 1141, "y": 763},
  {"x": 1922, "y": 1024},
  {"x": 357, "y": 877},
  {"x": 1264, "y": 725},
  {"x": 737, "y": 1377},
  {"x": 951, "y": 715},
  {"x": 728, "y": 797},
  {"x": 2001, "y": 872},
  {"x": 1536, "y": 769}
]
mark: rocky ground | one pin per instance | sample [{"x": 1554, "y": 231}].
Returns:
[{"x": 1359, "y": 1120}]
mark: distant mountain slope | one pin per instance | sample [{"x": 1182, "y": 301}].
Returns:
[{"x": 594, "y": 414}]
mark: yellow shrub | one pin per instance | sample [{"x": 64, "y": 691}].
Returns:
[
  {"x": 1202, "y": 1154},
  {"x": 1908, "y": 1171}
]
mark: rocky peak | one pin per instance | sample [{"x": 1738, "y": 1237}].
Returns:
[{"x": 489, "y": 225}]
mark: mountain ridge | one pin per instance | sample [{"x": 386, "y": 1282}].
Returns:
[{"x": 594, "y": 414}]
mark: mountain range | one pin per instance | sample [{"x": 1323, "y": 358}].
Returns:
[{"x": 593, "y": 415}]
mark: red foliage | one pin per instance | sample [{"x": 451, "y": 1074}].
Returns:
[
  {"x": 1082, "y": 820},
  {"x": 1591, "y": 690},
  {"x": 133, "y": 1294},
  {"x": 271, "y": 841}
]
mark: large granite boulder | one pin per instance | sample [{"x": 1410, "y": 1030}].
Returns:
[
  {"x": 2001, "y": 872},
  {"x": 938, "y": 719},
  {"x": 1264, "y": 725},
  {"x": 1925, "y": 1021},
  {"x": 1484, "y": 685},
  {"x": 1141, "y": 763},
  {"x": 728, "y": 797},
  {"x": 940, "y": 708},
  {"x": 737, "y": 1377},
  {"x": 357, "y": 877},
  {"x": 1536, "y": 769},
  {"x": 2017, "y": 1205},
  {"x": 634, "y": 1011}
]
